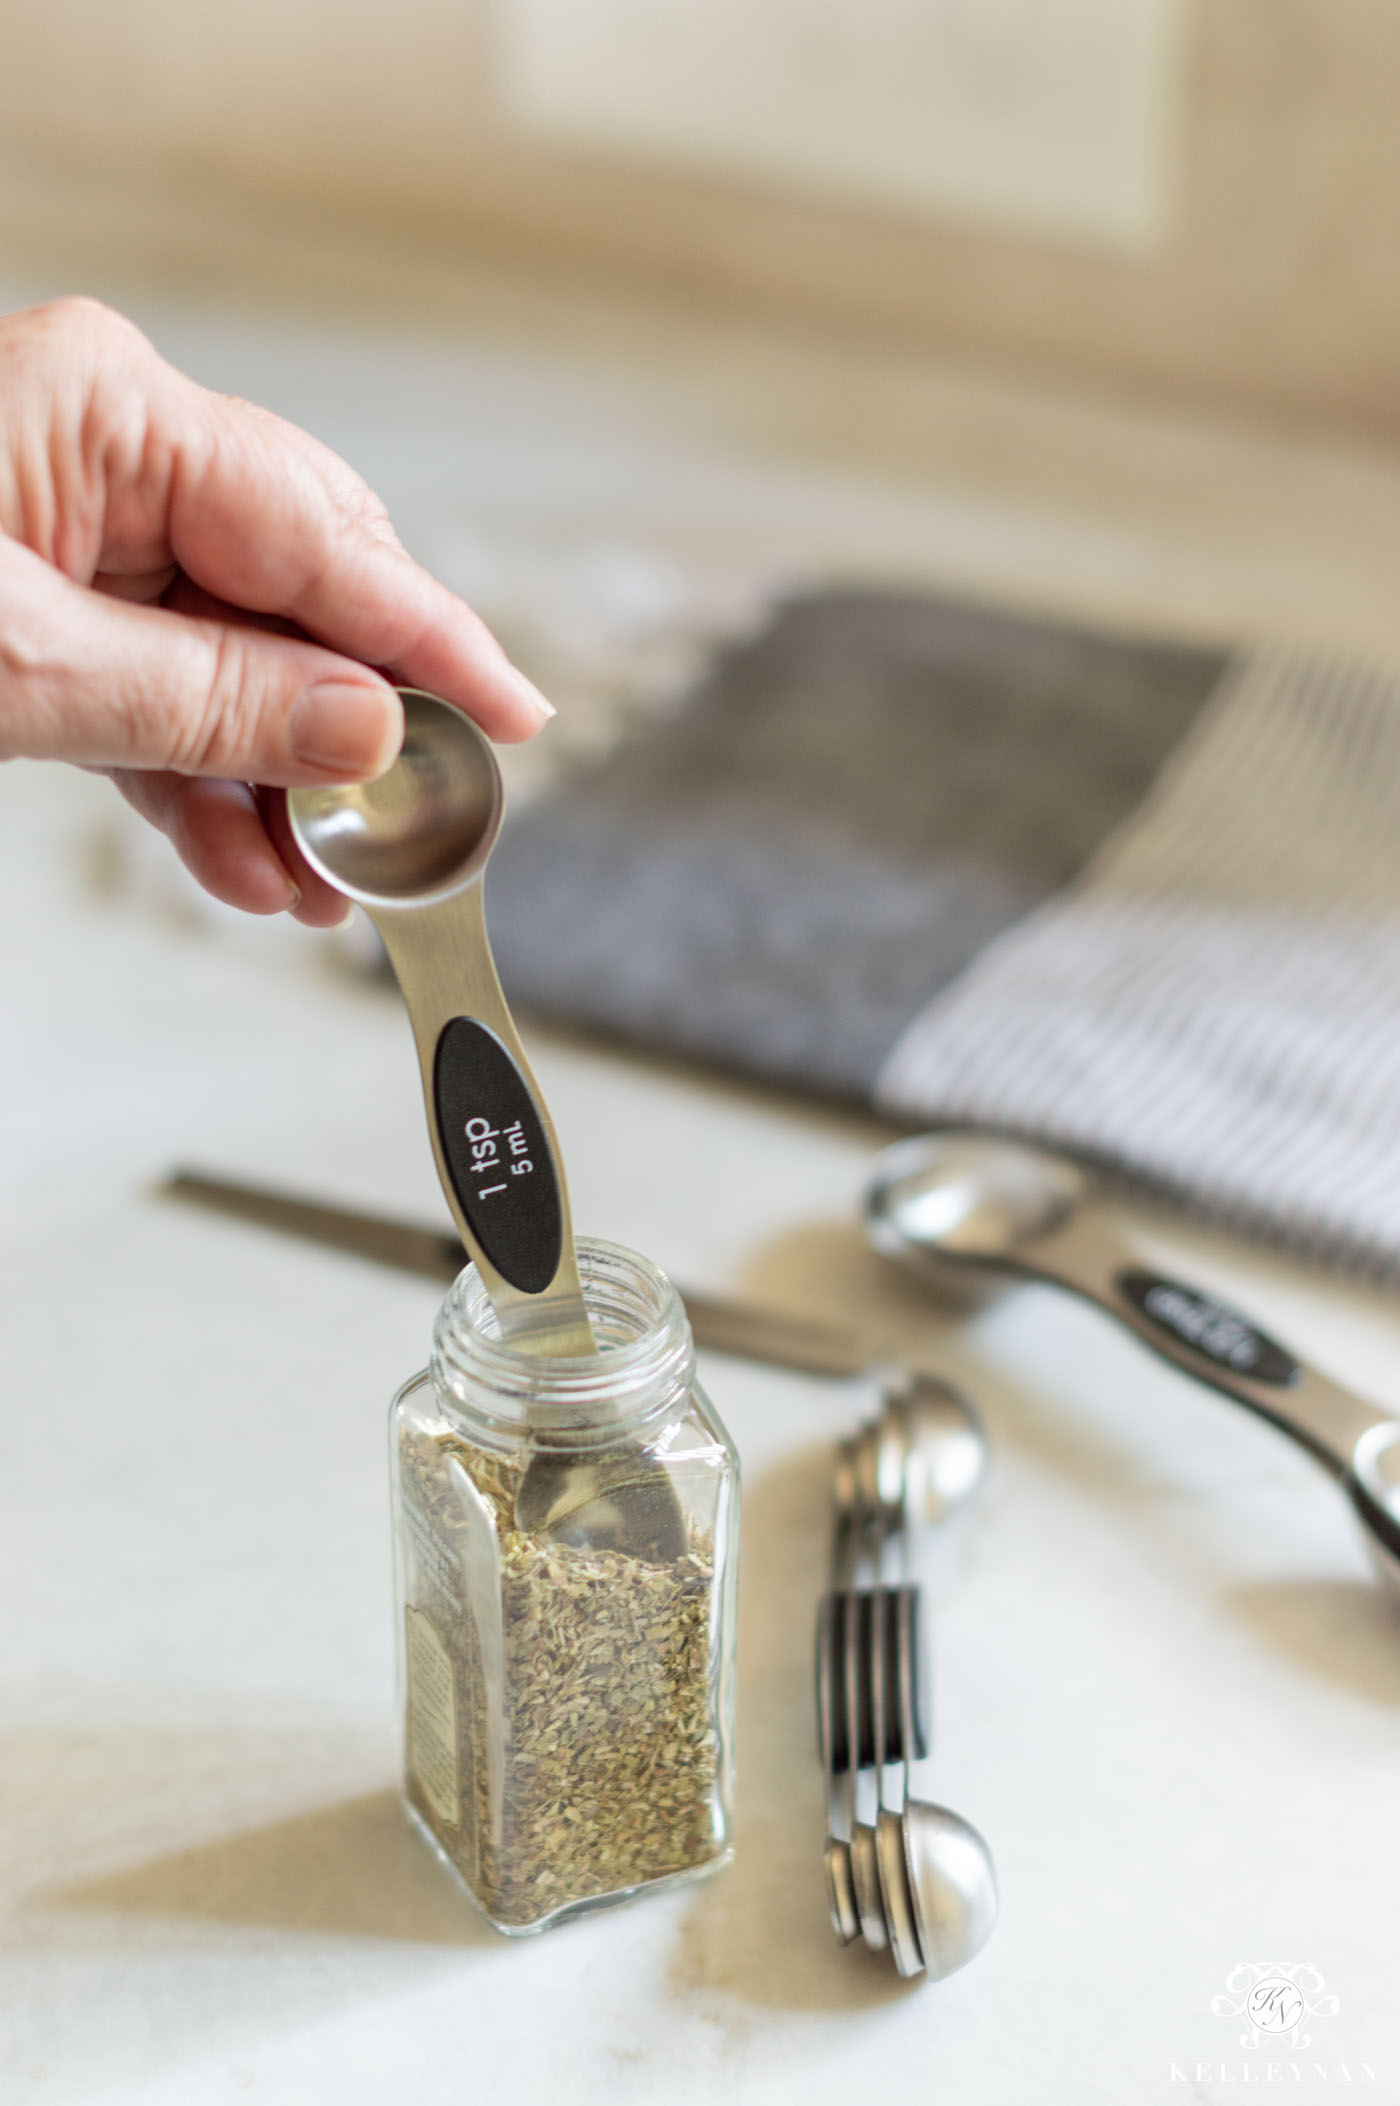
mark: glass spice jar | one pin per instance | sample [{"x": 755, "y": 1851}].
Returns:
[{"x": 567, "y": 1705}]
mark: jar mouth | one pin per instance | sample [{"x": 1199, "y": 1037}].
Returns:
[{"x": 646, "y": 1356}]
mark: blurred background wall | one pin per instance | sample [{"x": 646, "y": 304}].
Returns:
[{"x": 1199, "y": 197}]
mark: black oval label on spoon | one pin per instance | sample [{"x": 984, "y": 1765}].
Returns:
[
  {"x": 1211, "y": 1328},
  {"x": 497, "y": 1155}
]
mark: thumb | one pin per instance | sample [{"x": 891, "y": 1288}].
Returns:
[{"x": 108, "y": 683}]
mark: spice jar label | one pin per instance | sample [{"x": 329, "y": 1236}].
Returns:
[{"x": 432, "y": 1716}]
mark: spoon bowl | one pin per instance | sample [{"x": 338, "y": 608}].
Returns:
[
  {"x": 865, "y": 1881},
  {"x": 879, "y": 1476},
  {"x": 950, "y": 1203},
  {"x": 841, "y": 1891},
  {"x": 952, "y": 1886},
  {"x": 845, "y": 1493},
  {"x": 933, "y": 1450},
  {"x": 894, "y": 1889},
  {"x": 423, "y": 829},
  {"x": 1373, "y": 1486}
]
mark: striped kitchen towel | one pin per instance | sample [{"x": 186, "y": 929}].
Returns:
[
  {"x": 1135, "y": 899},
  {"x": 1214, "y": 1007}
]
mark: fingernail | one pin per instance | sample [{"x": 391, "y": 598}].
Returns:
[
  {"x": 291, "y": 890},
  {"x": 544, "y": 710},
  {"x": 345, "y": 729}
]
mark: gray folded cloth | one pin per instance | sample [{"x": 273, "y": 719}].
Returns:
[
  {"x": 1135, "y": 899},
  {"x": 843, "y": 815}
]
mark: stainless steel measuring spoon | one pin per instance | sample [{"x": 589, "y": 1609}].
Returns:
[
  {"x": 837, "y": 1699},
  {"x": 936, "y": 1862},
  {"x": 412, "y": 849},
  {"x": 958, "y": 1206},
  {"x": 915, "y": 1465}
]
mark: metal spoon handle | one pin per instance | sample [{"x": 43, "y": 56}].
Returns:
[
  {"x": 492, "y": 1137},
  {"x": 1202, "y": 1335},
  {"x": 907, "y": 1684},
  {"x": 840, "y": 1883}
]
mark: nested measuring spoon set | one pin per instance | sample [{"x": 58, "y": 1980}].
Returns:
[{"x": 904, "y": 1874}]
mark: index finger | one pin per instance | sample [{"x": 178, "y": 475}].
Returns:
[{"x": 264, "y": 517}]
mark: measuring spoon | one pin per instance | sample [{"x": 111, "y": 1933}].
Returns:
[
  {"x": 964, "y": 1205},
  {"x": 412, "y": 849},
  {"x": 837, "y": 1701}
]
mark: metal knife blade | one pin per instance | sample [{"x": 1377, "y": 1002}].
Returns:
[{"x": 744, "y": 1329}]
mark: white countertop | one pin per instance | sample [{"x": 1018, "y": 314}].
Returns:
[{"x": 1166, "y": 1688}]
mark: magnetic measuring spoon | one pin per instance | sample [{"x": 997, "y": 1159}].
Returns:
[
  {"x": 412, "y": 849},
  {"x": 959, "y": 1206}
]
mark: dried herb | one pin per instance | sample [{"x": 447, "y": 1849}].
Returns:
[{"x": 584, "y": 1759}]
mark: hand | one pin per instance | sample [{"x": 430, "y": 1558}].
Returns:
[{"x": 192, "y": 597}]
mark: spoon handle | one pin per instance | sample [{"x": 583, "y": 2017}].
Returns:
[
  {"x": 1202, "y": 1335},
  {"x": 492, "y": 1137}
]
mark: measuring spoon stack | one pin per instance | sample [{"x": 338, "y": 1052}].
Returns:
[{"x": 916, "y": 1880}]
